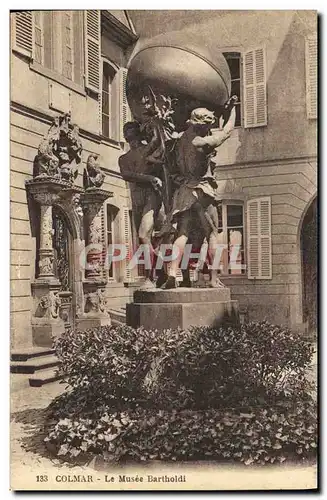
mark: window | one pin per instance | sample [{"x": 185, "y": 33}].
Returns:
[
  {"x": 234, "y": 63},
  {"x": 248, "y": 82},
  {"x": 111, "y": 236},
  {"x": 108, "y": 101},
  {"x": 231, "y": 227},
  {"x": 53, "y": 40}
]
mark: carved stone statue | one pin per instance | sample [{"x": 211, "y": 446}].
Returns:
[
  {"x": 59, "y": 152},
  {"x": 93, "y": 175},
  {"x": 144, "y": 166},
  {"x": 194, "y": 196},
  {"x": 144, "y": 175}
]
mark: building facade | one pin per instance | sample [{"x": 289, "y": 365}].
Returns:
[
  {"x": 267, "y": 170},
  {"x": 75, "y": 62},
  {"x": 66, "y": 62}
]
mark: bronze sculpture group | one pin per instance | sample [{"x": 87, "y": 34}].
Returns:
[{"x": 173, "y": 171}]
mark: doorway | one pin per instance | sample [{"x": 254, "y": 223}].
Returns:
[
  {"x": 63, "y": 264},
  {"x": 309, "y": 250}
]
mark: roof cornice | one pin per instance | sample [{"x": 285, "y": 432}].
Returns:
[{"x": 116, "y": 30}]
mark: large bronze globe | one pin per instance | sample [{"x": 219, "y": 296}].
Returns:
[{"x": 190, "y": 71}]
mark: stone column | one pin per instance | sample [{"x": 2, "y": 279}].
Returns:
[
  {"x": 46, "y": 320},
  {"x": 92, "y": 201},
  {"x": 94, "y": 311},
  {"x": 93, "y": 240},
  {"x": 46, "y": 255}
]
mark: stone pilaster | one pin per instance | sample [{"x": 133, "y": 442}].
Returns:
[
  {"x": 46, "y": 256},
  {"x": 92, "y": 201},
  {"x": 94, "y": 311}
]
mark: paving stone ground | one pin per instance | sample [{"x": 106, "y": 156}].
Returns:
[{"x": 29, "y": 457}]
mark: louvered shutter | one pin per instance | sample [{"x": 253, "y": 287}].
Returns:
[
  {"x": 92, "y": 29},
  {"x": 100, "y": 100},
  {"x": 127, "y": 240},
  {"x": 259, "y": 238},
  {"x": 124, "y": 111},
  {"x": 103, "y": 243},
  {"x": 255, "y": 88},
  {"x": 23, "y": 36},
  {"x": 311, "y": 66},
  {"x": 38, "y": 37}
]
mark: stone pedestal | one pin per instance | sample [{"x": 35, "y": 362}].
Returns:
[
  {"x": 95, "y": 306},
  {"x": 181, "y": 307},
  {"x": 46, "y": 319}
]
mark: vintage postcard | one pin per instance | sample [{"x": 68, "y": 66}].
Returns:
[{"x": 163, "y": 250}]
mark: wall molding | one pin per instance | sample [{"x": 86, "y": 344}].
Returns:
[
  {"x": 47, "y": 117},
  {"x": 275, "y": 161}
]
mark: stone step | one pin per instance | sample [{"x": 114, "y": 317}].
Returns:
[
  {"x": 31, "y": 352},
  {"x": 34, "y": 364},
  {"x": 118, "y": 316},
  {"x": 18, "y": 381},
  {"x": 43, "y": 377}
]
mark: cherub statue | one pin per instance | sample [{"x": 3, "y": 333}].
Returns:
[
  {"x": 46, "y": 163},
  {"x": 93, "y": 175}
]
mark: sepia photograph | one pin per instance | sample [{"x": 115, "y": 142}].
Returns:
[{"x": 163, "y": 250}]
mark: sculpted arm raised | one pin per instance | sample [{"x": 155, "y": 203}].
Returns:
[{"x": 219, "y": 136}]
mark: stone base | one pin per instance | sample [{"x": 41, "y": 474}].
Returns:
[
  {"x": 84, "y": 323},
  {"x": 43, "y": 334},
  {"x": 184, "y": 307}
]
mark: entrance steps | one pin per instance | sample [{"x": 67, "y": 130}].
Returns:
[{"x": 40, "y": 363}]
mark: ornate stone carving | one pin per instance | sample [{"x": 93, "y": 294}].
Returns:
[
  {"x": 102, "y": 301},
  {"x": 76, "y": 204},
  {"x": 50, "y": 303},
  {"x": 95, "y": 302},
  {"x": 59, "y": 152},
  {"x": 45, "y": 198},
  {"x": 46, "y": 265},
  {"x": 95, "y": 230},
  {"x": 92, "y": 201},
  {"x": 93, "y": 175}
]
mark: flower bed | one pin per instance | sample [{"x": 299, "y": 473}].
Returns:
[{"x": 220, "y": 394}]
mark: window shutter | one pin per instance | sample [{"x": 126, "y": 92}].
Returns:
[
  {"x": 127, "y": 240},
  {"x": 38, "y": 37},
  {"x": 259, "y": 238},
  {"x": 92, "y": 29},
  {"x": 67, "y": 43},
  {"x": 78, "y": 48},
  {"x": 23, "y": 35},
  {"x": 103, "y": 242},
  {"x": 311, "y": 63},
  {"x": 100, "y": 100},
  {"x": 255, "y": 88},
  {"x": 124, "y": 111}
]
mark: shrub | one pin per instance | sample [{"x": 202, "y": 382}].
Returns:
[
  {"x": 236, "y": 393},
  {"x": 258, "y": 436},
  {"x": 200, "y": 368}
]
